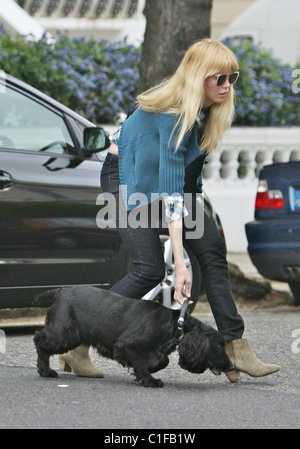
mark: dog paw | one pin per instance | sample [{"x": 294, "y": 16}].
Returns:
[
  {"x": 153, "y": 383},
  {"x": 51, "y": 373},
  {"x": 159, "y": 383}
]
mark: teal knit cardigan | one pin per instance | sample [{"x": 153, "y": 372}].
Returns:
[{"x": 148, "y": 162}]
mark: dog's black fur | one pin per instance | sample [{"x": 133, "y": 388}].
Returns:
[{"x": 136, "y": 333}]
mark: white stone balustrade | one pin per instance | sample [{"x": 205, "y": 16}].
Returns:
[
  {"x": 82, "y": 8},
  {"x": 103, "y": 19},
  {"x": 230, "y": 175}
]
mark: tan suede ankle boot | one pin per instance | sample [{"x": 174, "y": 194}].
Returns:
[
  {"x": 233, "y": 375},
  {"x": 244, "y": 359},
  {"x": 78, "y": 361}
]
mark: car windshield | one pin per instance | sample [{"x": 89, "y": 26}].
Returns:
[{"x": 27, "y": 125}]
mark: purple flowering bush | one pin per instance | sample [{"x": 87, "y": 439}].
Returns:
[
  {"x": 96, "y": 79},
  {"x": 264, "y": 95}
]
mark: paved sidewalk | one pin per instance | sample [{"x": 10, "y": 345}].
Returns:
[{"x": 243, "y": 261}]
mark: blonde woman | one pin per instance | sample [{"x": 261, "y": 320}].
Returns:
[{"x": 157, "y": 152}]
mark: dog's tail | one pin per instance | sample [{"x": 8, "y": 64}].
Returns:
[{"x": 45, "y": 299}]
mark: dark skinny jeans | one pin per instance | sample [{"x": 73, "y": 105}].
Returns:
[{"x": 146, "y": 253}]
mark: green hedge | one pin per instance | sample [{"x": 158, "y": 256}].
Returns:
[
  {"x": 98, "y": 79},
  {"x": 264, "y": 91}
]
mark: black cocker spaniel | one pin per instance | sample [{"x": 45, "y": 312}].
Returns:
[{"x": 136, "y": 333}]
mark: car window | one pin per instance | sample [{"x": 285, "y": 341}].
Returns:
[{"x": 28, "y": 125}]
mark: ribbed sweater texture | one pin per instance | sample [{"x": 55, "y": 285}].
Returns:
[{"x": 148, "y": 162}]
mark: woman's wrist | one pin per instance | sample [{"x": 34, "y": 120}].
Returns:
[{"x": 180, "y": 266}]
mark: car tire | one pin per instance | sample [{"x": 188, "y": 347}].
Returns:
[
  {"x": 295, "y": 288},
  {"x": 164, "y": 291}
]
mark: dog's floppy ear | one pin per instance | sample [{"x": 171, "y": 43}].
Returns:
[{"x": 193, "y": 350}]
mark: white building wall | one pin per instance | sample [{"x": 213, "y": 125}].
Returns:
[
  {"x": 101, "y": 19},
  {"x": 17, "y": 21}
]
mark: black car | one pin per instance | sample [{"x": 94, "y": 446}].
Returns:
[
  {"x": 274, "y": 236},
  {"x": 50, "y": 168}
]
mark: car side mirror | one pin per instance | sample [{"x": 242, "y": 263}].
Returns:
[{"x": 95, "y": 139}]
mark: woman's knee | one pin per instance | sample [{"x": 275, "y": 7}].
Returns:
[{"x": 154, "y": 274}]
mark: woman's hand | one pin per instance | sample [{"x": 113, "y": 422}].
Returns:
[
  {"x": 182, "y": 274},
  {"x": 182, "y": 284}
]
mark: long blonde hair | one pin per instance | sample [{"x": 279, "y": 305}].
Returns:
[{"x": 183, "y": 93}]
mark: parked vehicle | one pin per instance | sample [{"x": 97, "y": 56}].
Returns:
[
  {"x": 274, "y": 236},
  {"x": 50, "y": 168}
]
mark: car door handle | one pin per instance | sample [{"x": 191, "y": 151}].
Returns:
[{"x": 6, "y": 180}]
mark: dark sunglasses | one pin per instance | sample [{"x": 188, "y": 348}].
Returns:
[{"x": 232, "y": 78}]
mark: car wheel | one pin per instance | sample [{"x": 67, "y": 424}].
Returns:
[
  {"x": 164, "y": 291},
  {"x": 295, "y": 288}
]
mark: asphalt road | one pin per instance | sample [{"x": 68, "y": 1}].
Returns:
[{"x": 187, "y": 402}]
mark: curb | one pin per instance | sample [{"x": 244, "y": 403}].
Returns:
[{"x": 22, "y": 322}]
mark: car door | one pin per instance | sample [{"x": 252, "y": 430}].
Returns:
[{"x": 48, "y": 192}]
